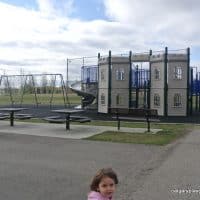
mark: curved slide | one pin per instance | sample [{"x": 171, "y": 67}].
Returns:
[{"x": 87, "y": 98}]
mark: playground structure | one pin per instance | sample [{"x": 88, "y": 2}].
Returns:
[
  {"x": 161, "y": 80},
  {"x": 32, "y": 89},
  {"x": 168, "y": 84},
  {"x": 87, "y": 86}
]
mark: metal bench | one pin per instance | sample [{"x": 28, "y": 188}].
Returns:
[
  {"x": 23, "y": 116},
  {"x": 55, "y": 119},
  {"x": 135, "y": 114},
  {"x": 84, "y": 120},
  {"x": 58, "y": 119},
  {"x": 4, "y": 116},
  {"x": 80, "y": 119}
]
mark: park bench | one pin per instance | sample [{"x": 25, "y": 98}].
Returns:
[
  {"x": 135, "y": 114},
  {"x": 4, "y": 116},
  {"x": 55, "y": 119},
  {"x": 23, "y": 116},
  {"x": 58, "y": 119},
  {"x": 80, "y": 119}
]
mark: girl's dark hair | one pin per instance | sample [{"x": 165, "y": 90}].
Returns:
[{"x": 105, "y": 172}]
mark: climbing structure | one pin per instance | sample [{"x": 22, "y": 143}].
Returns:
[{"x": 167, "y": 83}]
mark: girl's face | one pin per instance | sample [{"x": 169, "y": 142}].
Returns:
[{"x": 106, "y": 187}]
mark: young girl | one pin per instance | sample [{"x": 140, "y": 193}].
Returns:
[{"x": 103, "y": 185}]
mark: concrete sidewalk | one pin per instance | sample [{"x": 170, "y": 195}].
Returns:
[
  {"x": 58, "y": 130},
  {"x": 178, "y": 176}
]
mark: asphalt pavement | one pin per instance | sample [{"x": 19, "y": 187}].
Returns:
[
  {"x": 178, "y": 176},
  {"x": 42, "y": 167},
  {"x": 49, "y": 168}
]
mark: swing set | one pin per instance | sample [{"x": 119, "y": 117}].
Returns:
[{"x": 46, "y": 89}]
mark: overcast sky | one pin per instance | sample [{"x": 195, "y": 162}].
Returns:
[{"x": 39, "y": 35}]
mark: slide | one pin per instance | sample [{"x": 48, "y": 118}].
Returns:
[{"x": 87, "y": 98}]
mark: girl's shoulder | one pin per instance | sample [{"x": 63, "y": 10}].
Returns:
[{"x": 95, "y": 196}]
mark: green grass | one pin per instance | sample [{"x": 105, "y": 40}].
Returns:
[
  {"x": 169, "y": 133},
  {"x": 41, "y": 98}
]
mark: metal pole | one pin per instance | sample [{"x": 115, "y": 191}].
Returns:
[
  {"x": 109, "y": 79},
  {"x": 83, "y": 61},
  {"x": 198, "y": 91},
  {"x": 130, "y": 79},
  {"x": 67, "y": 83},
  {"x": 188, "y": 69},
  {"x": 149, "y": 83},
  {"x": 137, "y": 86},
  {"x": 165, "y": 83}
]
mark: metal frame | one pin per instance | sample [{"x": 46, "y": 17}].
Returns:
[{"x": 64, "y": 91}]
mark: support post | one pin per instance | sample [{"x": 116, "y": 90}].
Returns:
[
  {"x": 165, "y": 83},
  {"x": 109, "y": 79},
  {"x": 188, "y": 84},
  {"x": 137, "y": 87},
  {"x": 67, "y": 81},
  {"x": 97, "y": 99},
  {"x": 130, "y": 80},
  {"x": 149, "y": 83}
]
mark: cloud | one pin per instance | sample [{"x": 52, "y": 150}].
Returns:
[
  {"x": 143, "y": 11},
  {"x": 41, "y": 40},
  {"x": 173, "y": 23},
  {"x": 54, "y": 7}
]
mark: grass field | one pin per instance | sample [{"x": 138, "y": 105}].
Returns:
[
  {"x": 169, "y": 133},
  {"x": 57, "y": 99}
]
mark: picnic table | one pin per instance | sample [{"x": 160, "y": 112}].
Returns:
[
  {"x": 11, "y": 111},
  {"x": 67, "y": 113}
]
